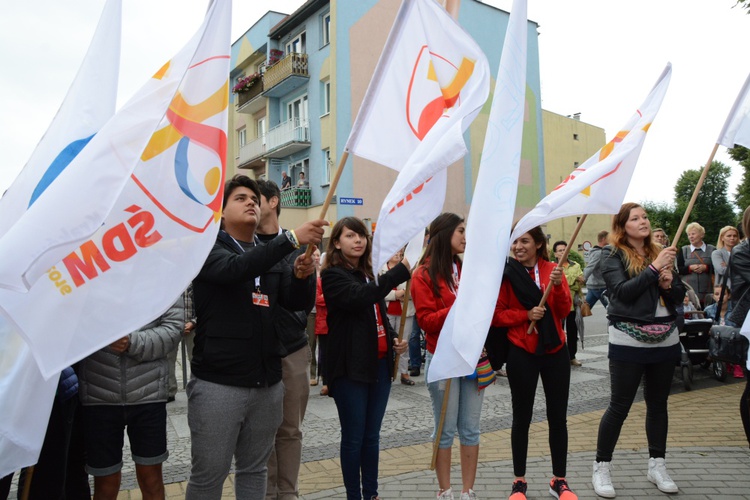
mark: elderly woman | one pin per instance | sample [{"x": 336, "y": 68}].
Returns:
[{"x": 694, "y": 262}]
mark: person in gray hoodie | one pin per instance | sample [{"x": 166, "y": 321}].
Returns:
[
  {"x": 125, "y": 385},
  {"x": 592, "y": 273}
]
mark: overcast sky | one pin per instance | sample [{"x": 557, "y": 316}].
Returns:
[{"x": 599, "y": 58}]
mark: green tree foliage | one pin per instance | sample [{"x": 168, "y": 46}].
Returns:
[
  {"x": 741, "y": 155},
  {"x": 745, "y": 4},
  {"x": 663, "y": 215},
  {"x": 712, "y": 208}
]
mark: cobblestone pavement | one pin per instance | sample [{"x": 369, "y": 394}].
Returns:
[{"x": 707, "y": 453}]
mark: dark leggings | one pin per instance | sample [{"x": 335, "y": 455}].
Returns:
[
  {"x": 571, "y": 330},
  {"x": 745, "y": 406},
  {"x": 524, "y": 370},
  {"x": 624, "y": 381}
]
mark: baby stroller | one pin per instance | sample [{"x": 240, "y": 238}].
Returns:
[{"x": 694, "y": 330}]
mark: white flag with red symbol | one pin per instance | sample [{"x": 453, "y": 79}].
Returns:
[
  {"x": 161, "y": 162},
  {"x": 430, "y": 83},
  {"x": 599, "y": 185},
  {"x": 737, "y": 127}
]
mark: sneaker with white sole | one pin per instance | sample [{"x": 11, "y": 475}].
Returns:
[
  {"x": 445, "y": 494},
  {"x": 602, "y": 479},
  {"x": 657, "y": 474},
  {"x": 468, "y": 495}
]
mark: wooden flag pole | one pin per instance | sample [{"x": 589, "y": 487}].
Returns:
[
  {"x": 27, "y": 483},
  {"x": 329, "y": 196},
  {"x": 696, "y": 191},
  {"x": 404, "y": 310},
  {"x": 563, "y": 259},
  {"x": 441, "y": 423}
]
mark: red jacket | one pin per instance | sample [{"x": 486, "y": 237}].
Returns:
[
  {"x": 431, "y": 311},
  {"x": 511, "y": 314},
  {"x": 321, "y": 311}
]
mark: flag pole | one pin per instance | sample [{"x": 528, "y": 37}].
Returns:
[
  {"x": 404, "y": 310},
  {"x": 696, "y": 191},
  {"x": 441, "y": 423},
  {"x": 329, "y": 196},
  {"x": 27, "y": 483},
  {"x": 562, "y": 259}
]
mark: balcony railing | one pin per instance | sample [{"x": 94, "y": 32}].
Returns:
[
  {"x": 248, "y": 96},
  {"x": 292, "y": 69},
  {"x": 288, "y": 133},
  {"x": 296, "y": 197},
  {"x": 252, "y": 150}
]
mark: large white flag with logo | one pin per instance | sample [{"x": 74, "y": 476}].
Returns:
[
  {"x": 171, "y": 136},
  {"x": 25, "y": 396},
  {"x": 737, "y": 127},
  {"x": 430, "y": 83},
  {"x": 599, "y": 185},
  {"x": 491, "y": 215}
]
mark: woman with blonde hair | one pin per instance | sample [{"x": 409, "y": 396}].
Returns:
[
  {"x": 729, "y": 236},
  {"x": 644, "y": 291}
]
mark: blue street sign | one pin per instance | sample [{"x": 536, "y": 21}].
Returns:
[{"x": 350, "y": 201}]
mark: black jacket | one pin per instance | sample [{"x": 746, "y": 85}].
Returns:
[
  {"x": 236, "y": 342},
  {"x": 634, "y": 299},
  {"x": 352, "y": 329},
  {"x": 739, "y": 272}
]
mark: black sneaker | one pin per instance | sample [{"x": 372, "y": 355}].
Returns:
[
  {"x": 414, "y": 372},
  {"x": 519, "y": 490},
  {"x": 558, "y": 488}
]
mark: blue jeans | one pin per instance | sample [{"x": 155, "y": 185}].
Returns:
[
  {"x": 361, "y": 408},
  {"x": 415, "y": 346},
  {"x": 464, "y": 410},
  {"x": 595, "y": 294}
]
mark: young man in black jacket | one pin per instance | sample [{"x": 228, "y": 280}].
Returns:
[{"x": 234, "y": 396}]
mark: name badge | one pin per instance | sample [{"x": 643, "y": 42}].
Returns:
[{"x": 260, "y": 299}]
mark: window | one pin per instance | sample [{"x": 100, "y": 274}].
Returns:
[
  {"x": 297, "y": 168},
  {"x": 297, "y": 45},
  {"x": 297, "y": 111},
  {"x": 325, "y": 29},
  {"x": 242, "y": 137},
  {"x": 326, "y": 98},
  {"x": 575, "y": 137},
  {"x": 328, "y": 167},
  {"x": 260, "y": 128}
]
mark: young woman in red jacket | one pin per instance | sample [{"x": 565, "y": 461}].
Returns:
[
  {"x": 434, "y": 288},
  {"x": 543, "y": 352}
]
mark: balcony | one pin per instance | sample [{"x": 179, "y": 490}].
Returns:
[
  {"x": 251, "y": 101},
  {"x": 287, "y": 138},
  {"x": 286, "y": 75},
  {"x": 296, "y": 197},
  {"x": 252, "y": 153}
]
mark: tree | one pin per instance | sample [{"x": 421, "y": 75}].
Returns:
[
  {"x": 741, "y": 155},
  {"x": 712, "y": 208},
  {"x": 662, "y": 215},
  {"x": 745, "y": 4}
]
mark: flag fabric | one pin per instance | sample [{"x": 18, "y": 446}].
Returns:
[
  {"x": 745, "y": 332},
  {"x": 598, "y": 186},
  {"x": 737, "y": 127},
  {"x": 89, "y": 103},
  {"x": 491, "y": 215},
  {"x": 430, "y": 83},
  {"x": 170, "y": 141}
]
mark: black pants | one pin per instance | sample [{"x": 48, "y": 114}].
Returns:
[
  {"x": 571, "y": 329},
  {"x": 745, "y": 406},
  {"x": 322, "y": 348},
  {"x": 524, "y": 370},
  {"x": 624, "y": 381}
]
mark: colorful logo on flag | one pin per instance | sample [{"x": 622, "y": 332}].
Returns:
[
  {"x": 194, "y": 143},
  {"x": 59, "y": 164},
  {"x": 423, "y": 107}
]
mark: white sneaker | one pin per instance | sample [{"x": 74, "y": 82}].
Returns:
[
  {"x": 602, "y": 480},
  {"x": 445, "y": 494},
  {"x": 657, "y": 474},
  {"x": 468, "y": 495}
]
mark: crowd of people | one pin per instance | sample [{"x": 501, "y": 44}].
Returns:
[{"x": 261, "y": 308}]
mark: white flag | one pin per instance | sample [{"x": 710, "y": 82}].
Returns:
[
  {"x": 172, "y": 138},
  {"x": 599, "y": 185},
  {"x": 737, "y": 127},
  {"x": 431, "y": 82},
  {"x": 491, "y": 216},
  {"x": 25, "y": 396}
]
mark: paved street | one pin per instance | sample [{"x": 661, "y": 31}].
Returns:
[{"x": 707, "y": 456}]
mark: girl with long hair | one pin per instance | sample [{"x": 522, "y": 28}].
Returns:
[
  {"x": 729, "y": 237},
  {"x": 542, "y": 353},
  {"x": 644, "y": 291},
  {"x": 434, "y": 287},
  {"x": 361, "y": 349}
]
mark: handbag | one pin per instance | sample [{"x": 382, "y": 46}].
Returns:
[
  {"x": 726, "y": 343},
  {"x": 585, "y": 309},
  {"x": 485, "y": 373}
]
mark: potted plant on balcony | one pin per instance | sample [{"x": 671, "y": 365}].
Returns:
[
  {"x": 275, "y": 56},
  {"x": 248, "y": 87}
]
